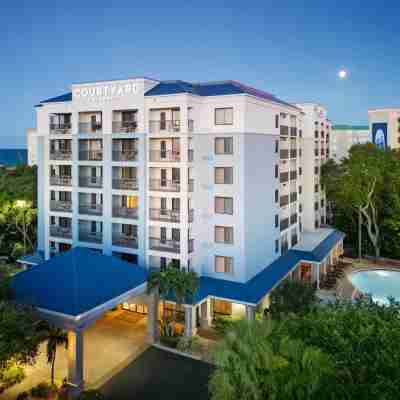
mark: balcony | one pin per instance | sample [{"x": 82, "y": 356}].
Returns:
[
  {"x": 284, "y": 224},
  {"x": 293, "y": 197},
  {"x": 293, "y": 175},
  {"x": 60, "y": 206},
  {"x": 125, "y": 212},
  {"x": 90, "y": 155},
  {"x": 191, "y": 215},
  {"x": 165, "y": 215},
  {"x": 284, "y": 130},
  {"x": 61, "y": 155},
  {"x": 91, "y": 181},
  {"x": 123, "y": 240},
  {"x": 293, "y": 219},
  {"x": 90, "y": 237},
  {"x": 61, "y": 232},
  {"x": 190, "y": 245},
  {"x": 293, "y": 131},
  {"x": 165, "y": 185},
  {"x": 59, "y": 180},
  {"x": 190, "y": 185},
  {"x": 124, "y": 155},
  {"x": 124, "y": 126},
  {"x": 284, "y": 177},
  {"x": 172, "y": 126},
  {"x": 90, "y": 127},
  {"x": 125, "y": 184},
  {"x": 293, "y": 153},
  {"x": 168, "y": 245},
  {"x": 190, "y": 155},
  {"x": 284, "y": 154},
  {"x": 164, "y": 155},
  {"x": 90, "y": 208},
  {"x": 284, "y": 201},
  {"x": 60, "y": 129}
]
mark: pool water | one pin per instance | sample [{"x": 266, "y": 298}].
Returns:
[{"x": 380, "y": 284}]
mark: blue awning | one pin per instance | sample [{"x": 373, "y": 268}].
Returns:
[{"x": 77, "y": 281}]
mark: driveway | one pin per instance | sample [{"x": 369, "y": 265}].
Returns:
[
  {"x": 157, "y": 374},
  {"x": 109, "y": 345}
]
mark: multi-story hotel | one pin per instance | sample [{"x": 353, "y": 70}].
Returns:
[
  {"x": 217, "y": 177},
  {"x": 384, "y": 126},
  {"x": 343, "y": 137}
]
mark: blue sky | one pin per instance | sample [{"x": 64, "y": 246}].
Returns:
[{"x": 289, "y": 49}]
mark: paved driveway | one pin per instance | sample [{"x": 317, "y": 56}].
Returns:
[
  {"x": 157, "y": 374},
  {"x": 109, "y": 345}
]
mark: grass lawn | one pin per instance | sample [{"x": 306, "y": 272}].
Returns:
[{"x": 158, "y": 374}]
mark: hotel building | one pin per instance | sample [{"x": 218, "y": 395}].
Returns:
[
  {"x": 384, "y": 124},
  {"x": 343, "y": 137},
  {"x": 218, "y": 177}
]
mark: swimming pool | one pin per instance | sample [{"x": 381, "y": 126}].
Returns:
[{"x": 380, "y": 284}]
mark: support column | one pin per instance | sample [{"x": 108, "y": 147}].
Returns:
[
  {"x": 205, "y": 313},
  {"x": 152, "y": 318},
  {"x": 75, "y": 362},
  {"x": 250, "y": 313},
  {"x": 190, "y": 321},
  {"x": 318, "y": 266}
]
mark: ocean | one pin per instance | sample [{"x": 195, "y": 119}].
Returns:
[{"x": 13, "y": 157}]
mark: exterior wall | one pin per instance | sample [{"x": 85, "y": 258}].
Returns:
[{"x": 392, "y": 118}]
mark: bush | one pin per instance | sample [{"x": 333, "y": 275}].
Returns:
[
  {"x": 91, "y": 395},
  {"x": 43, "y": 390},
  {"x": 170, "y": 341},
  {"x": 222, "y": 324},
  {"x": 11, "y": 376},
  {"x": 23, "y": 396},
  {"x": 189, "y": 344}
]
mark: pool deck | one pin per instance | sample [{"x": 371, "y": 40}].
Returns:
[{"x": 345, "y": 290}]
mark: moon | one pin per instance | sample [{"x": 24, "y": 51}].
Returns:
[{"x": 342, "y": 74}]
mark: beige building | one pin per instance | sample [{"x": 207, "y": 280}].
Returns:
[{"x": 343, "y": 137}]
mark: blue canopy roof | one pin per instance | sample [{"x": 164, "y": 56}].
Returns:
[{"x": 77, "y": 281}]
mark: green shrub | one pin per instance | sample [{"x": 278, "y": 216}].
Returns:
[
  {"x": 189, "y": 344},
  {"x": 11, "y": 376},
  {"x": 23, "y": 396},
  {"x": 170, "y": 341},
  {"x": 222, "y": 324},
  {"x": 91, "y": 395},
  {"x": 43, "y": 390}
]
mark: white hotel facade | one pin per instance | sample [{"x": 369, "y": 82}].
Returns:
[{"x": 217, "y": 177}]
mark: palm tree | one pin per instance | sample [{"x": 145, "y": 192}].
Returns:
[{"x": 55, "y": 337}]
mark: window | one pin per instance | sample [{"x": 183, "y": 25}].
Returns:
[
  {"x": 223, "y": 145},
  {"x": 300, "y": 189},
  {"x": 224, "y": 175},
  {"x": 224, "y": 116},
  {"x": 276, "y": 221},
  {"x": 276, "y": 196},
  {"x": 277, "y": 246},
  {"x": 224, "y": 205},
  {"x": 276, "y": 146},
  {"x": 224, "y": 234},
  {"x": 300, "y": 171},
  {"x": 276, "y": 121},
  {"x": 224, "y": 265},
  {"x": 276, "y": 171}
]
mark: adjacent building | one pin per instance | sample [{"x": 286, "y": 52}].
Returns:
[
  {"x": 343, "y": 137},
  {"x": 32, "y": 138},
  {"x": 215, "y": 177},
  {"x": 384, "y": 126}
]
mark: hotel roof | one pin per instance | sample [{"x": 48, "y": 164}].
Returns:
[{"x": 204, "y": 89}]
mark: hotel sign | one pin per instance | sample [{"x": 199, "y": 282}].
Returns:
[{"x": 102, "y": 92}]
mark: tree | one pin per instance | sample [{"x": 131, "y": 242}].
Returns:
[
  {"x": 20, "y": 334},
  {"x": 292, "y": 296},
  {"x": 176, "y": 284},
  {"x": 253, "y": 363},
  {"x": 362, "y": 340},
  {"x": 55, "y": 337}
]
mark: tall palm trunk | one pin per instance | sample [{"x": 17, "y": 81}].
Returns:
[{"x": 53, "y": 362}]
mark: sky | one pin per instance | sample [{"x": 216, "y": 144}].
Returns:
[{"x": 284, "y": 47}]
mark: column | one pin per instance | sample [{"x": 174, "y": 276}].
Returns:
[
  {"x": 250, "y": 313},
  {"x": 190, "y": 321},
  {"x": 205, "y": 313},
  {"x": 75, "y": 362},
  {"x": 152, "y": 318},
  {"x": 318, "y": 266}
]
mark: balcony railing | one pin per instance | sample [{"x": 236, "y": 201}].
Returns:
[
  {"x": 164, "y": 155},
  {"x": 91, "y": 208},
  {"x": 125, "y": 184},
  {"x": 60, "y": 155},
  {"x": 124, "y": 126},
  {"x": 165, "y": 126},
  {"x": 124, "y": 155},
  {"x": 60, "y": 232},
  {"x": 91, "y": 237},
  {"x": 61, "y": 206},
  {"x": 58, "y": 180},
  {"x": 89, "y": 127},
  {"x": 91, "y": 181},
  {"x": 164, "y": 185},
  {"x": 91, "y": 155},
  {"x": 120, "y": 239},
  {"x": 60, "y": 129},
  {"x": 162, "y": 214},
  {"x": 169, "y": 245},
  {"x": 125, "y": 212}
]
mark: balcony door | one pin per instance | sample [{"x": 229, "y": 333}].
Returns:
[
  {"x": 163, "y": 177},
  {"x": 163, "y": 149},
  {"x": 163, "y": 235},
  {"x": 176, "y": 175},
  {"x": 163, "y": 206},
  {"x": 163, "y": 121}
]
